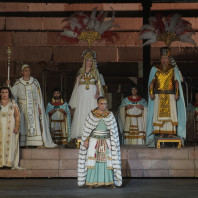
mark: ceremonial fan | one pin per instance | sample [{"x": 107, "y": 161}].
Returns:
[
  {"x": 89, "y": 27},
  {"x": 167, "y": 29}
]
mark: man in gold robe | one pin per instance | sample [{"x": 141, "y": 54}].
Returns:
[{"x": 166, "y": 107}]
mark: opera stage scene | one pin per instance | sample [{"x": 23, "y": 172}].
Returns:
[{"x": 98, "y": 98}]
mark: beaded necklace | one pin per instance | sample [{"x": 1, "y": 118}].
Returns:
[
  {"x": 87, "y": 77},
  {"x": 100, "y": 115},
  {"x": 133, "y": 100}
]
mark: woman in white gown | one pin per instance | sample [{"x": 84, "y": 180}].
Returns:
[
  {"x": 9, "y": 130},
  {"x": 87, "y": 89}
]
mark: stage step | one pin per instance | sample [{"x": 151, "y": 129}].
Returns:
[{"x": 137, "y": 161}]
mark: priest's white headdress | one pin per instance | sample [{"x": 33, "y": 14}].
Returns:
[{"x": 25, "y": 66}]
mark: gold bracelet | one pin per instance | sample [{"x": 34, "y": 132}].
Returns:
[
  {"x": 151, "y": 90},
  {"x": 87, "y": 139},
  {"x": 177, "y": 92}
]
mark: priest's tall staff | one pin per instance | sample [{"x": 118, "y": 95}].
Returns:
[{"x": 9, "y": 55}]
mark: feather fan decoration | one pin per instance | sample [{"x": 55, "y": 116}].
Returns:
[
  {"x": 167, "y": 29},
  {"x": 85, "y": 22}
]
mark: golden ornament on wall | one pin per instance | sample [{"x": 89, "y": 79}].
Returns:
[{"x": 89, "y": 36}]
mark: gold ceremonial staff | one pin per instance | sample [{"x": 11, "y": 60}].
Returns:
[{"x": 9, "y": 55}]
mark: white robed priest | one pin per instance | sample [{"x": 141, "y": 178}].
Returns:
[{"x": 34, "y": 130}]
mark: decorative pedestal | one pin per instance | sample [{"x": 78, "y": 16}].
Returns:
[{"x": 177, "y": 140}]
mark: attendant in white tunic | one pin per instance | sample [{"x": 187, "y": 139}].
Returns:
[
  {"x": 34, "y": 130},
  {"x": 59, "y": 117},
  {"x": 132, "y": 115},
  {"x": 99, "y": 162},
  {"x": 88, "y": 88},
  {"x": 9, "y": 130}
]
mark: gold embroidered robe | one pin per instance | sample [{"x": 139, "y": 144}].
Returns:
[{"x": 165, "y": 112}]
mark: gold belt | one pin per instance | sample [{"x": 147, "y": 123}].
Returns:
[
  {"x": 4, "y": 114},
  {"x": 134, "y": 116},
  {"x": 23, "y": 101},
  {"x": 57, "y": 120},
  {"x": 90, "y": 83},
  {"x": 164, "y": 91}
]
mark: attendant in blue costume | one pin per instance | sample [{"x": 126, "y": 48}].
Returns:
[
  {"x": 132, "y": 115},
  {"x": 59, "y": 117},
  {"x": 166, "y": 106},
  {"x": 99, "y": 162},
  {"x": 192, "y": 120}
]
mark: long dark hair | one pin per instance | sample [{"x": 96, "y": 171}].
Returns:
[{"x": 9, "y": 92}]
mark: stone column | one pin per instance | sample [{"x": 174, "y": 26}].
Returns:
[{"x": 147, "y": 49}]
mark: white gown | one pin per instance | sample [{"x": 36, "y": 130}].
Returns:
[
  {"x": 9, "y": 141},
  {"x": 83, "y": 101}
]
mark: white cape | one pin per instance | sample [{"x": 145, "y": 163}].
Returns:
[{"x": 90, "y": 124}]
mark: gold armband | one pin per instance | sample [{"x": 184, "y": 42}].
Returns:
[
  {"x": 177, "y": 92},
  {"x": 87, "y": 139},
  {"x": 151, "y": 90}
]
